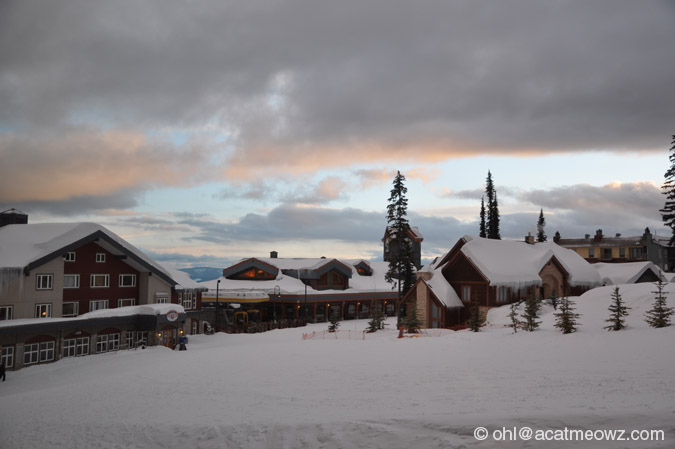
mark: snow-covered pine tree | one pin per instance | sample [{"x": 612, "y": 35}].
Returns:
[
  {"x": 618, "y": 311},
  {"x": 401, "y": 267},
  {"x": 554, "y": 300},
  {"x": 483, "y": 229},
  {"x": 541, "y": 223},
  {"x": 492, "y": 223},
  {"x": 531, "y": 313},
  {"x": 334, "y": 319},
  {"x": 659, "y": 315},
  {"x": 668, "y": 189},
  {"x": 475, "y": 321},
  {"x": 377, "y": 318},
  {"x": 566, "y": 319},
  {"x": 513, "y": 315},
  {"x": 411, "y": 322}
]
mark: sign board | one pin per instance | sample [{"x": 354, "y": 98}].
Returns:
[{"x": 172, "y": 316}]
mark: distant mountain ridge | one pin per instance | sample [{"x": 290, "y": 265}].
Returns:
[{"x": 201, "y": 274}]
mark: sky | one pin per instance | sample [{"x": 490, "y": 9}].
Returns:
[{"x": 205, "y": 132}]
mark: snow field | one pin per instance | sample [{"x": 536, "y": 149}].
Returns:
[{"x": 274, "y": 390}]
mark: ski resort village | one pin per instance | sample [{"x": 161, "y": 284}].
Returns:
[{"x": 300, "y": 224}]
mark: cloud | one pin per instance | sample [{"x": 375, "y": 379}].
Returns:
[
  {"x": 106, "y": 204},
  {"x": 329, "y": 85}
]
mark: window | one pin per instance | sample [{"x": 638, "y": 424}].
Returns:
[
  {"x": 8, "y": 356},
  {"x": 38, "y": 352},
  {"x": 98, "y": 304},
  {"x": 45, "y": 281},
  {"x": 99, "y": 281},
  {"x": 127, "y": 280},
  {"x": 46, "y": 351},
  {"x": 186, "y": 299},
  {"x": 6, "y": 312},
  {"x": 69, "y": 257},
  {"x": 100, "y": 257},
  {"x": 502, "y": 294},
  {"x": 606, "y": 253},
  {"x": 126, "y": 302},
  {"x": 622, "y": 253},
  {"x": 101, "y": 343},
  {"x": 43, "y": 310},
  {"x": 70, "y": 309},
  {"x": 71, "y": 281},
  {"x": 195, "y": 327},
  {"x": 636, "y": 253},
  {"x": 141, "y": 337},
  {"x": 591, "y": 253},
  {"x": 69, "y": 347},
  {"x": 83, "y": 346},
  {"x": 466, "y": 293},
  {"x": 113, "y": 342},
  {"x": 162, "y": 299},
  {"x": 30, "y": 353},
  {"x": 130, "y": 339}
]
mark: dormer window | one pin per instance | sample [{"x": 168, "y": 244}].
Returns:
[{"x": 100, "y": 257}]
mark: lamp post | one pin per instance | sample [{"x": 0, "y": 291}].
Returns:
[{"x": 217, "y": 293}]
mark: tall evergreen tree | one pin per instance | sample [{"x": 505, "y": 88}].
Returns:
[
  {"x": 492, "y": 223},
  {"x": 659, "y": 315},
  {"x": 668, "y": 189},
  {"x": 531, "y": 313},
  {"x": 618, "y": 311},
  {"x": 475, "y": 320},
  {"x": 401, "y": 267},
  {"x": 483, "y": 229},
  {"x": 541, "y": 223},
  {"x": 566, "y": 319}
]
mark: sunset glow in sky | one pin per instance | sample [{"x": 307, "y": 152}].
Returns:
[{"x": 204, "y": 132}]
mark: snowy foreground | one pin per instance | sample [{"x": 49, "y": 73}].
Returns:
[{"x": 275, "y": 390}]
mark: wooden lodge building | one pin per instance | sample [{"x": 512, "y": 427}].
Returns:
[
  {"x": 304, "y": 289},
  {"x": 77, "y": 288},
  {"x": 494, "y": 273}
]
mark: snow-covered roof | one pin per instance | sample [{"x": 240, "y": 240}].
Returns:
[
  {"x": 624, "y": 273},
  {"x": 30, "y": 245},
  {"x": 183, "y": 279},
  {"x": 516, "y": 263},
  {"x": 444, "y": 291}
]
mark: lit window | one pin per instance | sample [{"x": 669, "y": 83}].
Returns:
[
  {"x": 99, "y": 281},
  {"x": 43, "y": 310},
  {"x": 45, "y": 281}
]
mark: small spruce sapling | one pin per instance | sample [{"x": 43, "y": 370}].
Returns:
[
  {"x": 513, "y": 315},
  {"x": 334, "y": 318},
  {"x": 659, "y": 315},
  {"x": 475, "y": 320},
  {"x": 566, "y": 319},
  {"x": 411, "y": 322},
  {"x": 618, "y": 311},
  {"x": 377, "y": 318},
  {"x": 554, "y": 300},
  {"x": 531, "y": 313}
]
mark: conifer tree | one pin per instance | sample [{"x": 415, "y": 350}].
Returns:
[
  {"x": 475, "y": 319},
  {"x": 668, "y": 189},
  {"x": 618, "y": 311},
  {"x": 541, "y": 223},
  {"x": 531, "y": 313},
  {"x": 377, "y": 318},
  {"x": 566, "y": 319},
  {"x": 659, "y": 315},
  {"x": 334, "y": 318},
  {"x": 554, "y": 300},
  {"x": 513, "y": 315},
  {"x": 492, "y": 223},
  {"x": 411, "y": 322},
  {"x": 483, "y": 229},
  {"x": 401, "y": 267}
]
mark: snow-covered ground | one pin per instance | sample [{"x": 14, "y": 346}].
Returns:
[{"x": 275, "y": 390}]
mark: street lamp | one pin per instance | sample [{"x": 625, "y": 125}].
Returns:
[{"x": 217, "y": 292}]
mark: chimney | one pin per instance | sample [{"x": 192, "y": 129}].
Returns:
[
  {"x": 12, "y": 216},
  {"x": 618, "y": 234},
  {"x": 556, "y": 237},
  {"x": 587, "y": 236},
  {"x": 598, "y": 235},
  {"x": 274, "y": 255},
  {"x": 529, "y": 238}
]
